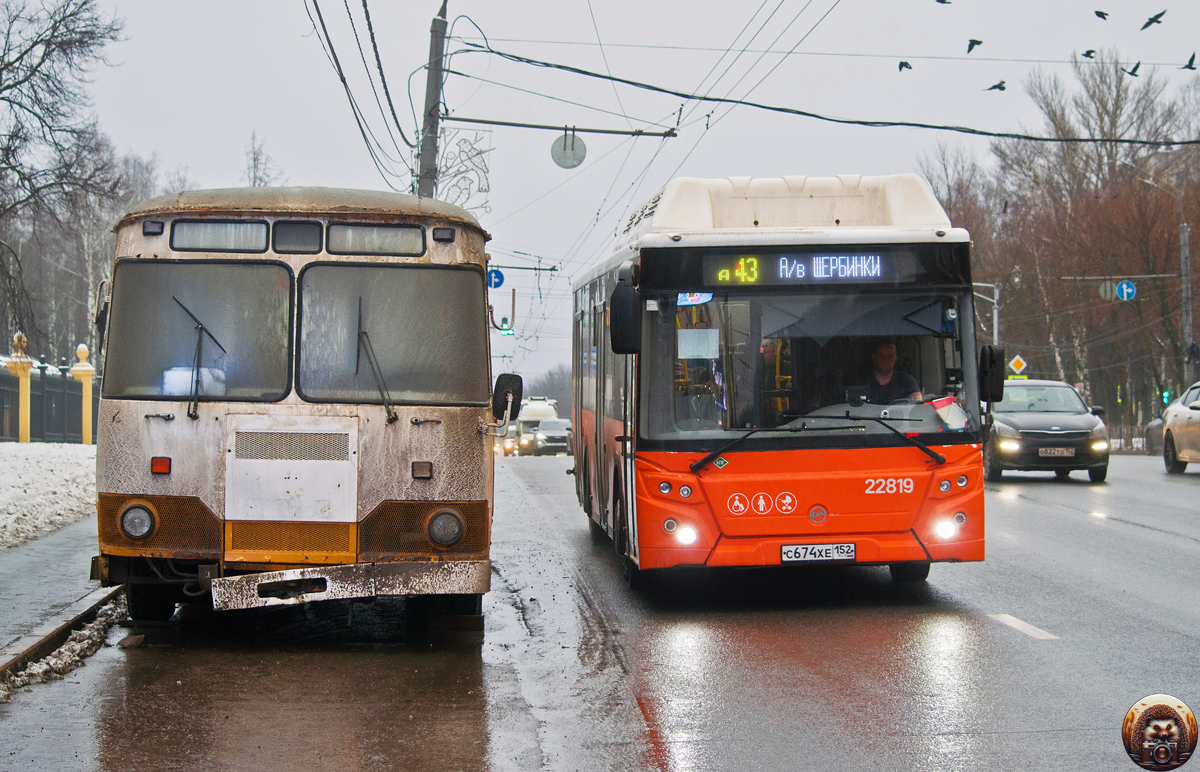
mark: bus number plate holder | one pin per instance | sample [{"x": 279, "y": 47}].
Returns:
[{"x": 817, "y": 553}]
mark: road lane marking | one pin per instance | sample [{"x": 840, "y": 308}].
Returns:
[{"x": 1025, "y": 627}]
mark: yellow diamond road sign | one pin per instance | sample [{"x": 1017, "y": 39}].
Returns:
[{"x": 1017, "y": 364}]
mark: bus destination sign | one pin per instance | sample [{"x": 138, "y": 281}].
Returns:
[{"x": 759, "y": 270}]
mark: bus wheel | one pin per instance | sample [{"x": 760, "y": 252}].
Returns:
[
  {"x": 596, "y": 532},
  {"x": 620, "y": 526},
  {"x": 909, "y": 572},
  {"x": 150, "y": 602}
]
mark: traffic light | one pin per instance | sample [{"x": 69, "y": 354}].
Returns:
[
  {"x": 1166, "y": 397},
  {"x": 506, "y": 332}
]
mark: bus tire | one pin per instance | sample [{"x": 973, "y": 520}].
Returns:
[
  {"x": 906, "y": 573},
  {"x": 620, "y": 524},
  {"x": 1171, "y": 458},
  {"x": 150, "y": 602},
  {"x": 596, "y": 532}
]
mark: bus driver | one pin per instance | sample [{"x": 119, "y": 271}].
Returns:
[{"x": 886, "y": 384}]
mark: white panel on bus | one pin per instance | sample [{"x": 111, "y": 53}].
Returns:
[{"x": 291, "y": 468}]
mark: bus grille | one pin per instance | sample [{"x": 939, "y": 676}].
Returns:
[
  {"x": 395, "y": 529},
  {"x": 257, "y": 536},
  {"x": 186, "y": 528},
  {"x": 292, "y": 446}
]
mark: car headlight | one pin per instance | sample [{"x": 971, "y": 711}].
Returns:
[
  {"x": 541, "y": 436},
  {"x": 1004, "y": 430},
  {"x": 1100, "y": 432}
]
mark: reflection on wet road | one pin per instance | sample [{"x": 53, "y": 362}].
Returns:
[{"x": 821, "y": 668}]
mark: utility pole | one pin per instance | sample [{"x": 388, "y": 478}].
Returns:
[
  {"x": 1185, "y": 275},
  {"x": 427, "y": 174}
]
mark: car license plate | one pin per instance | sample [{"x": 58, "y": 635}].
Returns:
[
  {"x": 1056, "y": 451},
  {"x": 816, "y": 553}
]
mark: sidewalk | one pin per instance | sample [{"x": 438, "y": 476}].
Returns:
[{"x": 45, "y": 576}]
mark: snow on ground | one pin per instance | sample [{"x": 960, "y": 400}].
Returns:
[{"x": 44, "y": 486}]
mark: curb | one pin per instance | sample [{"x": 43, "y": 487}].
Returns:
[{"x": 51, "y": 634}]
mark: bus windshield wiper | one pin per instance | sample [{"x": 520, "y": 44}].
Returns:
[
  {"x": 364, "y": 342},
  {"x": 193, "y": 409},
  {"x": 792, "y": 430},
  {"x": 938, "y": 457}
]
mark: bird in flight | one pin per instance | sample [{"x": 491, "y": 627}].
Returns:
[
  {"x": 1191, "y": 65},
  {"x": 1089, "y": 54},
  {"x": 905, "y": 66},
  {"x": 1155, "y": 19},
  {"x": 1133, "y": 72},
  {"x": 1102, "y": 14},
  {"x": 972, "y": 44},
  {"x": 998, "y": 87}
]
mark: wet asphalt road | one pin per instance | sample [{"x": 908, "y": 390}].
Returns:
[{"x": 828, "y": 668}]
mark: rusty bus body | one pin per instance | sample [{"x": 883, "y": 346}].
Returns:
[{"x": 296, "y": 401}]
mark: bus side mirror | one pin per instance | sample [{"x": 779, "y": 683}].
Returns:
[
  {"x": 506, "y": 385},
  {"x": 625, "y": 319},
  {"x": 991, "y": 374},
  {"x": 101, "y": 320}
]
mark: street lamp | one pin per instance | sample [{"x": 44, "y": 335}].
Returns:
[
  {"x": 1185, "y": 274},
  {"x": 995, "y": 301}
]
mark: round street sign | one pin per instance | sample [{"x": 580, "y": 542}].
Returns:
[
  {"x": 1126, "y": 290},
  {"x": 1108, "y": 290},
  {"x": 495, "y": 278}
]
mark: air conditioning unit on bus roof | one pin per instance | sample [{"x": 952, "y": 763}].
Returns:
[{"x": 848, "y": 200}]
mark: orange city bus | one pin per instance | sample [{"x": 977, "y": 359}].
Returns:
[
  {"x": 782, "y": 371},
  {"x": 295, "y": 404}
]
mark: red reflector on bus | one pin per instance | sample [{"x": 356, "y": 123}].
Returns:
[
  {"x": 914, "y": 434},
  {"x": 160, "y": 465}
]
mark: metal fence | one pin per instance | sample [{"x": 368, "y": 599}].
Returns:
[{"x": 55, "y": 409}]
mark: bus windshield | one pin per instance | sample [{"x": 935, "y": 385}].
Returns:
[
  {"x": 428, "y": 350},
  {"x": 716, "y": 363},
  {"x": 155, "y": 336}
]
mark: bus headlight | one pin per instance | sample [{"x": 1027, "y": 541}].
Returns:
[
  {"x": 946, "y": 529},
  {"x": 445, "y": 527},
  {"x": 137, "y": 522},
  {"x": 686, "y": 535}
]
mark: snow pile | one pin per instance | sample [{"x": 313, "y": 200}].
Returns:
[
  {"x": 83, "y": 643},
  {"x": 44, "y": 486}
]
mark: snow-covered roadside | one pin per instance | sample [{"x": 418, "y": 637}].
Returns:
[
  {"x": 43, "y": 487},
  {"x": 82, "y": 644}
]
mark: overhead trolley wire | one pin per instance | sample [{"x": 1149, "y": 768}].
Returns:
[
  {"x": 382, "y": 79},
  {"x": 371, "y": 80},
  {"x": 827, "y": 118},
  {"x": 331, "y": 54}
]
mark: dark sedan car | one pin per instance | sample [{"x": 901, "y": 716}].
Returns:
[{"x": 1044, "y": 426}]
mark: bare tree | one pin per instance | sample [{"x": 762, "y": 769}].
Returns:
[
  {"x": 261, "y": 170},
  {"x": 49, "y": 148}
]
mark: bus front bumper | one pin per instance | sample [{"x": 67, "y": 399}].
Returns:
[{"x": 359, "y": 580}]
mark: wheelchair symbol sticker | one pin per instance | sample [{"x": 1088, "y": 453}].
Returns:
[{"x": 738, "y": 504}]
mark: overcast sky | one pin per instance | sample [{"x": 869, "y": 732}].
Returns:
[{"x": 191, "y": 81}]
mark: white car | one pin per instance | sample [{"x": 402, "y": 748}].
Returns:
[{"x": 1181, "y": 431}]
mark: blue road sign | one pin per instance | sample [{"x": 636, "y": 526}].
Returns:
[
  {"x": 495, "y": 278},
  {"x": 1126, "y": 290}
]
